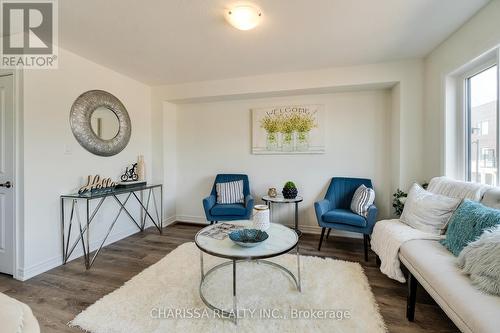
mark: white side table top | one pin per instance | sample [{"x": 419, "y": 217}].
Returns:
[
  {"x": 281, "y": 199},
  {"x": 281, "y": 240}
]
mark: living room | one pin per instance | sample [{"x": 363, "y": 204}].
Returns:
[{"x": 350, "y": 134}]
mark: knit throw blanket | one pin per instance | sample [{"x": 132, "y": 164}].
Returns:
[{"x": 387, "y": 237}]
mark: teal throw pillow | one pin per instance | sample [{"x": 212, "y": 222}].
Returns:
[{"x": 468, "y": 223}]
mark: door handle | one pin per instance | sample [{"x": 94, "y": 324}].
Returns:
[{"x": 6, "y": 184}]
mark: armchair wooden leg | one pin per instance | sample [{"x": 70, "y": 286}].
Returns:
[
  {"x": 412, "y": 297},
  {"x": 321, "y": 238},
  {"x": 328, "y": 233},
  {"x": 365, "y": 241}
]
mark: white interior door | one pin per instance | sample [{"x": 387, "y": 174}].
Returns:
[{"x": 6, "y": 174}]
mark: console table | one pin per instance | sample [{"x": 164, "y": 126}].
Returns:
[{"x": 83, "y": 229}]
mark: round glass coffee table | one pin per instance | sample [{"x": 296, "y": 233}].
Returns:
[{"x": 281, "y": 241}]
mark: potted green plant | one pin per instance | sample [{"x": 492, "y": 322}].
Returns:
[{"x": 289, "y": 190}]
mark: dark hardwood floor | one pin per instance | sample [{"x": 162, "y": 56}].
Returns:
[{"x": 58, "y": 295}]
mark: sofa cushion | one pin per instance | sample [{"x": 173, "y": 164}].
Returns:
[
  {"x": 428, "y": 212},
  {"x": 344, "y": 216},
  {"x": 491, "y": 198},
  {"x": 16, "y": 316},
  {"x": 228, "y": 210},
  {"x": 436, "y": 270},
  {"x": 468, "y": 223},
  {"x": 457, "y": 189}
]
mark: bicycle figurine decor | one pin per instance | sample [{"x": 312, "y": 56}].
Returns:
[{"x": 130, "y": 174}]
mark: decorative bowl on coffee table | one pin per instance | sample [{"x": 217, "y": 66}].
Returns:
[{"x": 248, "y": 237}]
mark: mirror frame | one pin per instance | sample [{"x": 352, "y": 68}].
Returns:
[{"x": 80, "y": 122}]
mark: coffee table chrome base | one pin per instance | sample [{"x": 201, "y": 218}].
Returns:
[{"x": 232, "y": 314}]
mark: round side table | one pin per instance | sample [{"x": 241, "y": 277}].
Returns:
[{"x": 270, "y": 201}]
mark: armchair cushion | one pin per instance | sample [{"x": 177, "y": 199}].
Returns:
[
  {"x": 228, "y": 209},
  {"x": 344, "y": 216},
  {"x": 230, "y": 192},
  {"x": 362, "y": 199}
]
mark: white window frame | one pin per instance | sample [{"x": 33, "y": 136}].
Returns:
[{"x": 485, "y": 64}]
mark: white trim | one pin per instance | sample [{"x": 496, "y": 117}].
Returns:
[
  {"x": 41, "y": 267},
  {"x": 24, "y": 274},
  {"x": 168, "y": 221},
  {"x": 485, "y": 63},
  {"x": 307, "y": 229},
  {"x": 455, "y": 154},
  {"x": 18, "y": 236}
]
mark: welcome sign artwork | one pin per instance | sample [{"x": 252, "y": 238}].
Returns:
[{"x": 290, "y": 129}]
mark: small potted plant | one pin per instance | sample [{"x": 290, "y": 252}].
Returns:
[{"x": 289, "y": 190}]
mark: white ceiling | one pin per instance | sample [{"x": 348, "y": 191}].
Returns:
[{"x": 174, "y": 41}]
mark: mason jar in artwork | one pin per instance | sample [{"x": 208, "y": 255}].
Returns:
[
  {"x": 272, "y": 141},
  {"x": 302, "y": 141},
  {"x": 288, "y": 141}
]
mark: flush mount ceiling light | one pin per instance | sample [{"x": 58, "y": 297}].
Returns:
[{"x": 243, "y": 17}]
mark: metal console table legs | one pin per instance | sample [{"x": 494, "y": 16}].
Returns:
[{"x": 83, "y": 227}]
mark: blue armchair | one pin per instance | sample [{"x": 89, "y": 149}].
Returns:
[
  {"x": 228, "y": 212},
  {"x": 334, "y": 211}
]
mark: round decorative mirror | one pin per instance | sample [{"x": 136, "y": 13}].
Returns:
[
  {"x": 104, "y": 123},
  {"x": 100, "y": 123}
]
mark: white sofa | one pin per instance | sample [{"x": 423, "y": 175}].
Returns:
[
  {"x": 16, "y": 317},
  {"x": 435, "y": 269}
]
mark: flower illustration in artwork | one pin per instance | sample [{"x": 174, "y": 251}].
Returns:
[
  {"x": 272, "y": 125},
  {"x": 288, "y": 129}
]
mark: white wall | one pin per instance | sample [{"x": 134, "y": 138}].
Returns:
[
  {"x": 404, "y": 164},
  {"x": 54, "y": 162},
  {"x": 408, "y": 123},
  {"x": 170, "y": 160},
  {"x": 479, "y": 35},
  {"x": 215, "y": 137}
]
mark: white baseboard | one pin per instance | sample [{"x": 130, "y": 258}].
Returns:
[
  {"x": 24, "y": 274},
  {"x": 191, "y": 219},
  {"x": 307, "y": 229}
]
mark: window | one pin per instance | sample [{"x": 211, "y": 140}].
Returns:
[
  {"x": 482, "y": 125},
  {"x": 488, "y": 157}
]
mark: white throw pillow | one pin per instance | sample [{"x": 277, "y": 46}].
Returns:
[
  {"x": 230, "y": 192},
  {"x": 428, "y": 212},
  {"x": 362, "y": 199}
]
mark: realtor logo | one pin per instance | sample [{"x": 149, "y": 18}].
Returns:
[{"x": 29, "y": 30}]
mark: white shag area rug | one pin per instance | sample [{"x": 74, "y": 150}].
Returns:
[{"x": 336, "y": 297}]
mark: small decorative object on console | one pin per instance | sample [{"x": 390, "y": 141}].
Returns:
[
  {"x": 130, "y": 174},
  {"x": 261, "y": 217},
  {"x": 130, "y": 177},
  {"x": 141, "y": 171},
  {"x": 248, "y": 237},
  {"x": 272, "y": 192},
  {"x": 97, "y": 184},
  {"x": 289, "y": 190}
]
